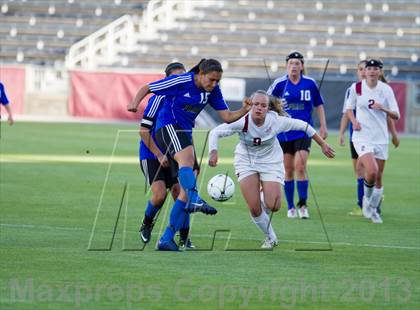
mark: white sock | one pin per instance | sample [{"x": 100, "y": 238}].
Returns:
[
  {"x": 368, "y": 189},
  {"x": 262, "y": 204},
  {"x": 376, "y": 197},
  {"x": 263, "y": 222}
]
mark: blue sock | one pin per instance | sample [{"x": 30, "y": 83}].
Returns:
[
  {"x": 289, "y": 191},
  {"x": 176, "y": 219},
  {"x": 186, "y": 178},
  {"x": 302, "y": 188},
  {"x": 186, "y": 224},
  {"x": 151, "y": 210},
  {"x": 360, "y": 192},
  {"x": 188, "y": 182}
]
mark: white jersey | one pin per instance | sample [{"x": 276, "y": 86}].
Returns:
[
  {"x": 373, "y": 122},
  {"x": 258, "y": 144}
]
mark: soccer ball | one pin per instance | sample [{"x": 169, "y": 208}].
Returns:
[{"x": 221, "y": 187}]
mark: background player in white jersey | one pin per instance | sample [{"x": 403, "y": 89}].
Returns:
[
  {"x": 358, "y": 168},
  {"x": 374, "y": 101},
  {"x": 300, "y": 94},
  {"x": 259, "y": 157}
]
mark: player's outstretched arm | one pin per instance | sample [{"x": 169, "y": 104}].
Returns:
[
  {"x": 133, "y": 105},
  {"x": 230, "y": 116},
  {"x": 326, "y": 149}
]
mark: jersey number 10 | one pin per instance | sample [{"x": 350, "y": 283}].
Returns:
[{"x": 305, "y": 95}]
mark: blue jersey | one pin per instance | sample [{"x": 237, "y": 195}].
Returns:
[
  {"x": 3, "y": 97},
  {"x": 299, "y": 100},
  {"x": 184, "y": 101},
  {"x": 149, "y": 117}
]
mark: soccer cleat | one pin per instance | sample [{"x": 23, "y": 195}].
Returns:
[
  {"x": 146, "y": 231},
  {"x": 269, "y": 243},
  {"x": 367, "y": 210},
  {"x": 186, "y": 244},
  {"x": 376, "y": 218},
  {"x": 291, "y": 213},
  {"x": 303, "y": 212},
  {"x": 167, "y": 246},
  {"x": 356, "y": 211},
  {"x": 200, "y": 206}
]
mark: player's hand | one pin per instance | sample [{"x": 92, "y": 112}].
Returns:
[
  {"x": 341, "y": 139},
  {"x": 395, "y": 141},
  {"x": 247, "y": 103},
  {"x": 327, "y": 150},
  {"x": 132, "y": 107},
  {"x": 10, "y": 120},
  {"x": 323, "y": 132},
  {"x": 213, "y": 158},
  {"x": 356, "y": 126},
  {"x": 163, "y": 160}
]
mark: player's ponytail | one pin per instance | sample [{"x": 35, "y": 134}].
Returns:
[
  {"x": 277, "y": 105},
  {"x": 196, "y": 68}
]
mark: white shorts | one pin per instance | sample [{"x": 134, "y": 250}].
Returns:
[
  {"x": 268, "y": 172},
  {"x": 380, "y": 151}
]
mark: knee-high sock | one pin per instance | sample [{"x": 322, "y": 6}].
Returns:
[
  {"x": 289, "y": 192},
  {"x": 151, "y": 212},
  {"x": 263, "y": 222},
  {"x": 360, "y": 192},
  {"x": 376, "y": 197},
  {"x": 368, "y": 188},
  {"x": 188, "y": 182},
  {"x": 302, "y": 188},
  {"x": 176, "y": 219}
]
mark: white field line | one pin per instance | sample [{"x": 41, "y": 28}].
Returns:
[
  {"x": 105, "y": 159},
  {"x": 103, "y": 188},
  {"x": 368, "y": 245}
]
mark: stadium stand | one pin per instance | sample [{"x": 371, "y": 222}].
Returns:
[
  {"x": 342, "y": 31},
  {"x": 41, "y": 32}
]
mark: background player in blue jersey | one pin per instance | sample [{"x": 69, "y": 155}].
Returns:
[
  {"x": 299, "y": 94},
  {"x": 160, "y": 173},
  {"x": 186, "y": 95},
  {"x": 5, "y": 102}
]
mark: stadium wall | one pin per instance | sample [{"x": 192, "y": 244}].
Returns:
[
  {"x": 13, "y": 79},
  {"x": 105, "y": 95}
]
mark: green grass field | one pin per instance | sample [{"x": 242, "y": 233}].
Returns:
[{"x": 61, "y": 192}]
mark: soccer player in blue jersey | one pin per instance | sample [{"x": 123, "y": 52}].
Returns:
[
  {"x": 5, "y": 102},
  {"x": 159, "y": 171},
  {"x": 186, "y": 95},
  {"x": 300, "y": 95}
]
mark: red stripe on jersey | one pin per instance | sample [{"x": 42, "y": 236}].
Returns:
[
  {"x": 245, "y": 128},
  {"x": 359, "y": 88}
]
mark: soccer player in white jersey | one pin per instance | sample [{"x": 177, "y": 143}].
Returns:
[
  {"x": 357, "y": 167},
  {"x": 374, "y": 101},
  {"x": 259, "y": 157}
]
